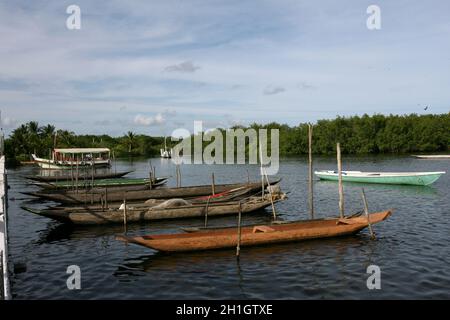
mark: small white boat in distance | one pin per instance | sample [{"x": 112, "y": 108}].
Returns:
[
  {"x": 165, "y": 153},
  {"x": 411, "y": 178},
  {"x": 433, "y": 157},
  {"x": 69, "y": 158}
]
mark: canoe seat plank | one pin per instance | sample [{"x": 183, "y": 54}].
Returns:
[
  {"x": 346, "y": 221},
  {"x": 262, "y": 229}
]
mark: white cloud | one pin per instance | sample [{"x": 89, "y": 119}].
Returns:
[
  {"x": 141, "y": 120},
  {"x": 270, "y": 90},
  {"x": 185, "y": 67}
]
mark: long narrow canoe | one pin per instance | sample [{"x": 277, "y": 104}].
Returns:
[
  {"x": 433, "y": 157},
  {"x": 67, "y": 177},
  {"x": 143, "y": 195},
  {"x": 229, "y": 195},
  {"x": 257, "y": 235},
  {"x": 411, "y": 178},
  {"x": 170, "y": 209},
  {"x": 102, "y": 183}
]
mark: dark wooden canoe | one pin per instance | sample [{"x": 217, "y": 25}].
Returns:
[
  {"x": 133, "y": 196},
  {"x": 66, "y": 177},
  {"x": 229, "y": 195},
  {"x": 159, "y": 211},
  {"x": 257, "y": 235},
  {"x": 118, "y": 184}
]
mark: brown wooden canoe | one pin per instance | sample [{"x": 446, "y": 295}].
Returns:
[
  {"x": 257, "y": 235},
  {"x": 159, "y": 211},
  {"x": 133, "y": 196},
  {"x": 228, "y": 195},
  {"x": 67, "y": 177}
]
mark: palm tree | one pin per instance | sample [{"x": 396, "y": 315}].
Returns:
[
  {"x": 130, "y": 140},
  {"x": 48, "y": 131}
]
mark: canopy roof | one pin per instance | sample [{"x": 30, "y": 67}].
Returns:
[{"x": 83, "y": 150}]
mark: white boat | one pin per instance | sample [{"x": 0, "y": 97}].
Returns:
[
  {"x": 72, "y": 157},
  {"x": 433, "y": 157},
  {"x": 166, "y": 153},
  {"x": 411, "y": 178}
]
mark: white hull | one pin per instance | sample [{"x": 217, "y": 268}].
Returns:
[
  {"x": 166, "y": 154},
  {"x": 433, "y": 157},
  {"x": 58, "y": 165}
]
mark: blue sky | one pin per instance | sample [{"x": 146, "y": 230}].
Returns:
[{"x": 154, "y": 66}]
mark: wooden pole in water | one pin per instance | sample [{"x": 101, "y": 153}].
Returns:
[
  {"x": 213, "y": 185},
  {"x": 238, "y": 247},
  {"x": 179, "y": 175},
  {"x": 150, "y": 180},
  {"x": 206, "y": 212},
  {"x": 366, "y": 211},
  {"x": 106, "y": 197},
  {"x": 311, "y": 187},
  {"x": 72, "y": 176},
  {"x": 154, "y": 175},
  {"x": 125, "y": 212},
  {"x": 261, "y": 172},
  {"x": 49, "y": 160},
  {"x": 341, "y": 187},
  {"x": 77, "y": 177},
  {"x": 92, "y": 179},
  {"x": 178, "y": 182},
  {"x": 271, "y": 196},
  {"x": 115, "y": 165}
]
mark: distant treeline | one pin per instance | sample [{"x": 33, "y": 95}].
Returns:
[{"x": 357, "y": 135}]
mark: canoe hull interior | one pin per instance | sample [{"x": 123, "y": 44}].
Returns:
[
  {"x": 160, "y": 193},
  {"x": 110, "y": 216},
  {"x": 257, "y": 235}
]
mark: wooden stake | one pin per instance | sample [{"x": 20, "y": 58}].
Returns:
[
  {"x": 77, "y": 177},
  {"x": 311, "y": 187},
  {"x": 106, "y": 197},
  {"x": 115, "y": 165},
  {"x": 341, "y": 187},
  {"x": 150, "y": 180},
  {"x": 178, "y": 178},
  {"x": 262, "y": 173},
  {"x": 125, "y": 212},
  {"x": 238, "y": 247},
  {"x": 154, "y": 175},
  {"x": 271, "y": 196},
  {"x": 49, "y": 160},
  {"x": 213, "y": 185},
  {"x": 366, "y": 211},
  {"x": 72, "y": 179},
  {"x": 206, "y": 212}
]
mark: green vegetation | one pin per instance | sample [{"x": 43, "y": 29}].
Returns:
[{"x": 357, "y": 135}]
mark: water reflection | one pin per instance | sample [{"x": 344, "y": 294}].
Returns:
[{"x": 394, "y": 188}]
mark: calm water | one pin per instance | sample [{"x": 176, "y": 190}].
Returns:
[{"x": 412, "y": 247}]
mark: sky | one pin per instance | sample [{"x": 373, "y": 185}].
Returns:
[{"x": 155, "y": 66}]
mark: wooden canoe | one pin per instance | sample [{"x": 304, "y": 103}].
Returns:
[
  {"x": 257, "y": 235},
  {"x": 67, "y": 177},
  {"x": 143, "y": 195},
  {"x": 229, "y": 195},
  {"x": 159, "y": 211},
  {"x": 105, "y": 183}
]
